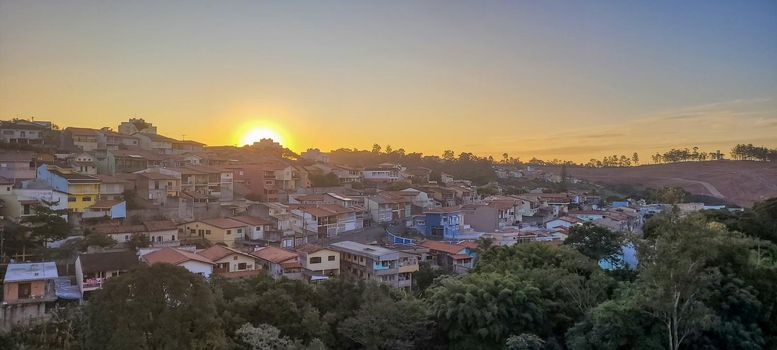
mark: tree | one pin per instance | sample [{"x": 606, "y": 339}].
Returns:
[
  {"x": 46, "y": 225},
  {"x": 448, "y": 155},
  {"x": 157, "y": 307},
  {"x": 382, "y": 323},
  {"x": 675, "y": 280},
  {"x": 525, "y": 341},
  {"x": 564, "y": 176},
  {"x": 596, "y": 242},
  {"x": 505, "y": 157},
  {"x": 98, "y": 240},
  {"x": 635, "y": 158},
  {"x": 389, "y": 149},
  {"x": 480, "y": 310},
  {"x": 376, "y": 148},
  {"x": 137, "y": 241}
]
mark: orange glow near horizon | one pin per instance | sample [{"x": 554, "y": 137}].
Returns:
[{"x": 253, "y": 131}]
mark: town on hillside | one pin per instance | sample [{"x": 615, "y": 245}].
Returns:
[{"x": 81, "y": 206}]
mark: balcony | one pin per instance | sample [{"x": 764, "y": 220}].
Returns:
[{"x": 92, "y": 283}]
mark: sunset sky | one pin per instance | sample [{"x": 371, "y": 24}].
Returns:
[{"x": 552, "y": 79}]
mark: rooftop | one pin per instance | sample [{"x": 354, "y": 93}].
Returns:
[
  {"x": 109, "y": 261},
  {"x": 173, "y": 256},
  {"x": 274, "y": 254},
  {"x": 363, "y": 249},
  {"x": 31, "y": 272}
]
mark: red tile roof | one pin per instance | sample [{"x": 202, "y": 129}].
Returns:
[
  {"x": 274, "y": 254},
  {"x": 173, "y": 256},
  {"x": 442, "y": 246}
]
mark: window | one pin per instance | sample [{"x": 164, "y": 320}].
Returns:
[
  {"x": 71, "y": 199},
  {"x": 331, "y": 258},
  {"x": 242, "y": 266},
  {"x": 207, "y": 231},
  {"x": 126, "y": 237},
  {"x": 86, "y": 199},
  {"x": 192, "y": 231},
  {"x": 240, "y": 230},
  {"x": 229, "y": 232},
  {"x": 234, "y": 257},
  {"x": 315, "y": 260},
  {"x": 25, "y": 290}
]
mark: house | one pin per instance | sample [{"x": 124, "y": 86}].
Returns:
[
  {"x": 282, "y": 233},
  {"x": 111, "y": 140},
  {"x": 28, "y": 292},
  {"x": 440, "y": 222},
  {"x": 120, "y": 233},
  {"x": 315, "y": 155},
  {"x": 20, "y": 131},
  {"x": 279, "y": 262},
  {"x": 256, "y": 228},
  {"x": 21, "y": 202},
  {"x": 347, "y": 174},
  {"x": 230, "y": 262},
  {"x": 456, "y": 257},
  {"x": 111, "y": 187},
  {"x": 196, "y": 264},
  {"x": 186, "y": 146},
  {"x": 326, "y": 220},
  {"x": 318, "y": 263},
  {"x": 162, "y": 233},
  {"x": 128, "y": 161},
  {"x": 366, "y": 262},
  {"x": 83, "y": 139},
  {"x": 218, "y": 231},
  {"x": 564, "y": 221},
  {"x": 157, "y": 187},
  {"x": 155, "y": 142},
  {"x": 17, "y": 165},
  {"x": 83, "y": 191},
  {"x": 387, "y": 208},
  {"x": 210, "y": 181},
  {"x": 136, "y": 125},
  {"x": 587, "y": 215},
  {"x": 93, "y": 269},
  {"x": 108, "y": 208},
  {"x": 385, "y": 173}
]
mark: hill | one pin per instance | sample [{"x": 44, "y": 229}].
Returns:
[{"x": 736, "y": 181}]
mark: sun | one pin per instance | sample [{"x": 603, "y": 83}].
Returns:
[{"x": 256, "y": 134}]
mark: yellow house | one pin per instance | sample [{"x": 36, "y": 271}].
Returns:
[
  {"x": 83, "y": 191},
  {"x": 231, "y": 262},
  {"x": 218, "y": 231},
  {"x": 318, "y": 262}
]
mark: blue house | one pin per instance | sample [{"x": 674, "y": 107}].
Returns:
[{"x": 439, "y": 222}]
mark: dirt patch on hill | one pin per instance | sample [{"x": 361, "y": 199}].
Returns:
[{"x": 740, "y": 182}]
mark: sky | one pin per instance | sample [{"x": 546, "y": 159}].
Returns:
[{"x": 571, "y": 80}]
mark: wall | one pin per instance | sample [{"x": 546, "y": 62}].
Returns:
[{"x": 198, "y": 267}]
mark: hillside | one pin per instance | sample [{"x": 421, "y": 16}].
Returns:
[{"x": 740, "y": 182}]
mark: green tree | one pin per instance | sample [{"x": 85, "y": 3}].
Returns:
[
  {"x": 382, "y": 323},
  {"x": 480, "y": 310},
  {"x": 157, "y": 307},
  {"x": 525, "y": 341},
  {"x": 675, "y": 279},
  {"x": 46, "y": 225},
  {"x": 137, "y": 241},
  {"x": 596, "y": 242}
]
